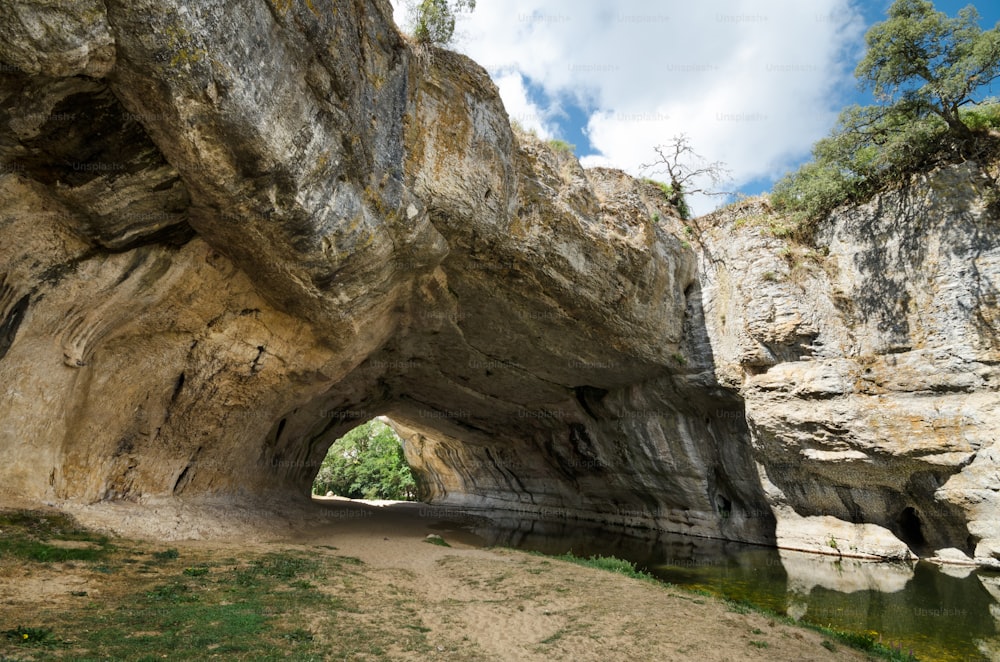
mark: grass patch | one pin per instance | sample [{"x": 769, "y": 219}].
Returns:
[
  {"x": 740, "y": 606},
  {"x": 610, "y": 564},
  {"x": 561, "y": 146},
  {"x": 298, "y": 635},
  {"x": 23, "y": 636},
  {"x": 244, "y": 611},
  {"x": 436, "y": 540},
  {"x": 49, "y": 538},
  {"x": 166, "y": 555},
  {"x": 419, "y": 628},
  {"x": 281, "y": 605}
]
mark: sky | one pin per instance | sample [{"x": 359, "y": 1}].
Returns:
[{"x": 751, "y": 83}]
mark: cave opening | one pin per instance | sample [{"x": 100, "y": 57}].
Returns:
[
  {"x": 723, "y": 506},
  {"x": 366, "y": 463},
  {"x": 909, "y": 528}
]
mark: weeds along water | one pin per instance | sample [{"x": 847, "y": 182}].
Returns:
[{"x": 901, "y": 610}]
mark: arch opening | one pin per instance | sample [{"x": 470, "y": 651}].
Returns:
[{"x": 367, "y": 462}]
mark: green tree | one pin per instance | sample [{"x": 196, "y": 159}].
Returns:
[
  {"x": 433, "y": 21},
  {"x": 924, "y": 69},
  {"x": 924, "y": 63},
  {"x": 367, "y": 463}
]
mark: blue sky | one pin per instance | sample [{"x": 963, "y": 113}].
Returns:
[{"x": 752, "y": 83}]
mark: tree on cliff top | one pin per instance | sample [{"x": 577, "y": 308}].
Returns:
[
  {"x": 433, "y": 21},
  {"x": 924, "y": 68},
  {"x": 685, "y": 168},
  {"x": 925, "y": 63}
]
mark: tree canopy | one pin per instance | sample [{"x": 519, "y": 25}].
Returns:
[
  {"x": 924, "y": 62},
  {"x": 367, "y": 463}
]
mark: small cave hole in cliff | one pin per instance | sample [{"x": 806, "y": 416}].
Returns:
[
  {"x": 724, "y": 506},
  {"x": 366, "y": 463},
  {"x": 909, "y": 529}
]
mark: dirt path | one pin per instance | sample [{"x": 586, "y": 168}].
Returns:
[{"x": 481, "y": 604}]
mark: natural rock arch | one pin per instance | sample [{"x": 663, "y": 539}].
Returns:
[
  {"x": 228, "y": 232},
  {"x": 251, "y": 240}
]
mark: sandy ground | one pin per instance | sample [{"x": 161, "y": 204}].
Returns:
[{"x": 482, "y": 604}]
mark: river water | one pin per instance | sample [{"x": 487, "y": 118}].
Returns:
[{"x": 950, "y": 614}]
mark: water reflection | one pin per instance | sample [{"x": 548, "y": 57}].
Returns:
[{"x": 950, "y": 614}]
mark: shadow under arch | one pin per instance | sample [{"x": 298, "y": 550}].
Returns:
[{"x": 668, "y": 452}]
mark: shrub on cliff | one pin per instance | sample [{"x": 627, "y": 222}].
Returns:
[
  {"x": 924, "y": 68},
  {"x": 433, "y": 21},
  {"x": 366, "y": 463}
]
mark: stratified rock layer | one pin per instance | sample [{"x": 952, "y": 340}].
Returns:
[
  {"x": 230, "y": 232},
  {"x": 869, "y": 365},
  {"x": 268, "y": 222}
]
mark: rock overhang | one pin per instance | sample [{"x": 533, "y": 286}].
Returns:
[{"x": 284, "y": 249}]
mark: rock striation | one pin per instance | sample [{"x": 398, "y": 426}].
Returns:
[
  {"x": 231, "y": 232},
  {"x": 868, "y": 365}
]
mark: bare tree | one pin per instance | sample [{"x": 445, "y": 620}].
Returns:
[{"x": 686, "y": 168}]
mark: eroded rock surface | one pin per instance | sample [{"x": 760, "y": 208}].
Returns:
[
  {"x": 267, "y": 222},
  {"x": 230, "y": 232},
  {"x": 869, "y": 365}
]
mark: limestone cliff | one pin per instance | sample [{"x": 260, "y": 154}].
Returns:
[
  {"x": 233, "y": 231},
  {"x": 868, "y": 364}
]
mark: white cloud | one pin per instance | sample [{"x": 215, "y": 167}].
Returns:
[
  {"x": 521, "y": 109},
  {"x": 753, "y": 83}
]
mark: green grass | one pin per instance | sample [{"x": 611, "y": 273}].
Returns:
[
  {"x": 273, "y": 606},
  {"x": 666, "y": 189},
  {"x": 668, "y": 194},
  {"x": 350, "y": 560},
  {"x": 234, "y": 611},
  {"x": 437, "y": 540},
  {"x": 167, "y": 555},
  {"x": 610, "y": 564},
  {"x": 28, "y": 535},
  {"x": 561, "y": 146},
  {"x": 863, "y": 641},
  {"x": 740, "y": 606},
  {"x": 23, "y": 636}
]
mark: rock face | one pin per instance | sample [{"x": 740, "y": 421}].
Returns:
[
  {"x": 231, "y": 232},
  {"x": 224, "y": 248},
  {"x": 869, "y": 365}
]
